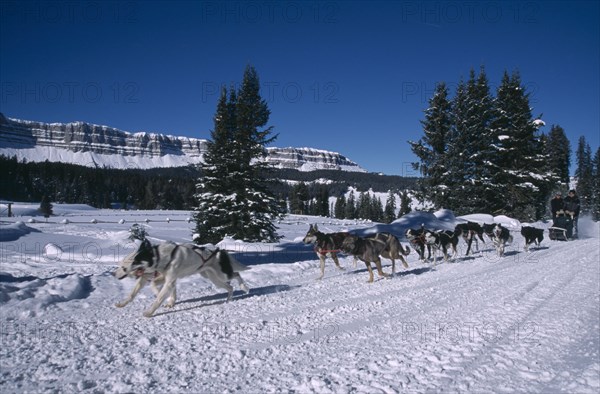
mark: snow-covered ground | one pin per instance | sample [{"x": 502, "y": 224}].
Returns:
[{"x": 526, "y": 322}]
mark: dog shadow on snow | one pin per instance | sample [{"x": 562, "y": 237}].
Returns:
[
  {"x": 409, "y": 271},
  {"x": 221, "y": 298}
]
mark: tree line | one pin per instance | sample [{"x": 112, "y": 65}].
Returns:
[
  {"x": 166, "y": 188},
  {"x": 360, "y": 205},
  {"x": 486, "y": 153},
  {"x": 97, "y": 187}
]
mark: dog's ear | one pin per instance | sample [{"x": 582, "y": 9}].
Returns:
[{"x": 315, "y": 227}]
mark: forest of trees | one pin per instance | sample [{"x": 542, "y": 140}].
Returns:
[
  {"x": 98, "y": 187},
  {"x": 485, "y": 153},
  {"x": 164, "y": 188}
]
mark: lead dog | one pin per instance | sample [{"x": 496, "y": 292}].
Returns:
[
  {"x": 325, "y": 245},
  {"x": 167, "y": 262}
]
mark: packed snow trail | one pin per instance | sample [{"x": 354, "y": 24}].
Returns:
[{"x": 523, "y": 322}]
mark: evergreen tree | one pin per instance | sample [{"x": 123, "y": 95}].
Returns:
[
  {"x": 404, "y": 204},
  {"x": 477, "y": 140},
  {"x": 340, "y": 207},
  {"x": 518, "y": 183},
  {"x": 299, "y": 198},
  {"x": 558, "y": 153},
  {"x": 389, "y": 213},
  {"x": 431, "y": 148},
  {"x": 584, "y": 174},
  {"x": 46, "y": 207},
  {"x": 596, "y": 187},
  {"x": 351, "y": 206},
  {"x": 376, "y": 209},
  {"x": 215, "y": 201},
  {"x": 233, "y": 198},
  {"x": 323, "y": 201},
  {"x": 456, "y": 159}
]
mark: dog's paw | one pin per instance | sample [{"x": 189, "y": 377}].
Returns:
[
  {"x": 148, "y": 313},
  {"x": 245, "y": 288},
  {"x": 121, "y": 304},
  {"x": 170, "y": 305}
]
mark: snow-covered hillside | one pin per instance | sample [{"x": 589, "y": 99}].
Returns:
[
  {"x": 102, "y": 146},
  {"x": 526, "y": 322}
]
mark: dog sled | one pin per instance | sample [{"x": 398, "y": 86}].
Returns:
[{"x": 562, "y": 228}]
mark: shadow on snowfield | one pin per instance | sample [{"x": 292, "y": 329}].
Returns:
[{"x": 221, "y": 298}]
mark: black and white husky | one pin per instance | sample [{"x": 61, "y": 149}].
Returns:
[
  {"x": 531, "y": 235},
  {"x": 442, "y": 240},
  {"x": 167, "y": 262},
  {"x": 501, "y": 237},
  {"x": 470, "y": 231}
]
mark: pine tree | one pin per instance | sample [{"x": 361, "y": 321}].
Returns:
[
  {"x": 389, "y": 213},
  {"x": 558, "y": 154},
  {"x": 364, "y": 206},
  {"x": 233, "y": 198},
  {"x": 351, "y": 212},
  {"x": 215, "y": 203},
  {"x": 46, "y": 207},
  {"x": 299, "y": 198},
  {"x": 596, "y": 186},
  {"x": 456, "y": 159},
  {"x": 469, "y": 147},
  {"x": 340, "y": 207},
  {"x": 404, "y": 204},
  {"x": 323, "y": 201},
  {"x": 518, "y": 183},
  {"x": 376, "y": 209},
  {"x": 431, "y": 148},
  {"x": 584, "y": 174}
]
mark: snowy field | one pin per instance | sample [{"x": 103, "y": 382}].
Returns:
[{"x": 526, "y": 322}]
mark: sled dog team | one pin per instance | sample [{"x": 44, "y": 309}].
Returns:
[{"x": 163, "y": 264}]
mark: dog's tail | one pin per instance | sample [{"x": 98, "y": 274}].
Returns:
[
  {"x": 231, "y": 262},
  {"x": 405, "y": 250}
]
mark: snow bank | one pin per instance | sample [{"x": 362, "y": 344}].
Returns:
[
  {"x": 12, "y": 232},
  {"x": 31, "y": 296}
]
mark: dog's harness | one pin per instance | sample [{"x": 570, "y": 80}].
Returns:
[
  {"x": 325, "y": 251},
  {"x": 324, "y": 237},
  {"x": 419, "y": 239},
  {"x": 204, "y": 260}
]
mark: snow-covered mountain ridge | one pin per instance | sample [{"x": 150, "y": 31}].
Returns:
[{"x": 102, "y": 146}]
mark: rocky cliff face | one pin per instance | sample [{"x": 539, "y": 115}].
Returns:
[{"x": 93, "y": 145}]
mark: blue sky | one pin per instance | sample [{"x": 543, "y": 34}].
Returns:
[{"x": 352, "y": 77}]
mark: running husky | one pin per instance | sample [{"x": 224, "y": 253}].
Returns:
[
  {"x": 501, "y": 237},
  {"x": 441, "y": 240},
  {"x": 167, "y": 262},
  {"x": 470, "y": 231},
  {"x": 532, "y": 235},
  {"x": 325, "y": 245},
  {"x": 417, "y": 238},
  {"x": 369, "y": 250}
]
